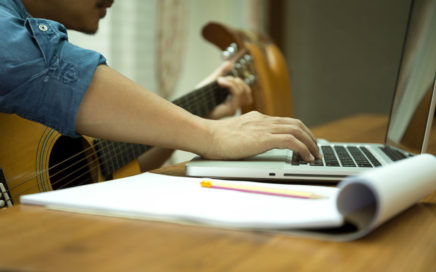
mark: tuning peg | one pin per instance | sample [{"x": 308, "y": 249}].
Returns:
[
  {"x": 250, "y": 79},
  {"x": 248, "y": 58},
  {"x": 230, "y": 51}
]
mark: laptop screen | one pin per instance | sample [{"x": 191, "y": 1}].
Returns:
[{"x": 414, "y": 102}]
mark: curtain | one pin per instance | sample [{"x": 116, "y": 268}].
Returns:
[{"x": 144, "y": 40}]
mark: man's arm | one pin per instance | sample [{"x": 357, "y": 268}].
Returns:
[{"x": 116, "y": 108}]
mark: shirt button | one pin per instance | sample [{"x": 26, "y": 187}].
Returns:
[{"x": 43, "y": 27}]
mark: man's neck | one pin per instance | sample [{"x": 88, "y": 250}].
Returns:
[{"x": 36, "y": 8}]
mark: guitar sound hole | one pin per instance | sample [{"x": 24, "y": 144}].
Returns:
[{"x": 71, "y": 163}]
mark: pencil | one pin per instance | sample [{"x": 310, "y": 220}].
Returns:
[{"x": 260, "y": 190}]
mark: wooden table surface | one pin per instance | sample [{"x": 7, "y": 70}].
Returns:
[{"x": 36, "y": 239}]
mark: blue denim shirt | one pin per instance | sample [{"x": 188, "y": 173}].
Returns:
[{"x": 43, "y": 77}]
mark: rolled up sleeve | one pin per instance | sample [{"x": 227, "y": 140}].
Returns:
[{"x": 43, "y": 77}]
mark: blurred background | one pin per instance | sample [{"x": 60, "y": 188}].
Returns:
[{"x": 342, "y": 56}]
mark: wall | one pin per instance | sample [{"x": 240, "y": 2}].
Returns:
[{"x": 343, "y": 56}]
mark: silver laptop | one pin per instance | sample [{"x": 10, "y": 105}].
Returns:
[{"x": 410, "y": 122}]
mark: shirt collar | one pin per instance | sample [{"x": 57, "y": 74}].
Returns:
[{"x": 19, "y": 7}]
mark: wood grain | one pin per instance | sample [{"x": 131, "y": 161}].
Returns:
[{"x": 36, "y": 239}]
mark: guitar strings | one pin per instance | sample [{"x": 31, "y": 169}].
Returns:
[
  {"x": 46, "y": 171},
  {"x": 93, "y": 155},
  {"x": 89, "y": 170}
]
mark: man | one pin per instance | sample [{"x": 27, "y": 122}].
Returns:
[{"x": 45, "y": 78}]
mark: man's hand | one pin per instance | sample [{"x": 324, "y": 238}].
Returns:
[
  {"x": 240, "y": 92},
  {"x": 254, "y": 133}
]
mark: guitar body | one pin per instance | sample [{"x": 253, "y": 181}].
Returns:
[{"x": 35, "y": 158}]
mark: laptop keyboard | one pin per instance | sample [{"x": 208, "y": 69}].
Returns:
[
  {"x": 349, "y": 156},
  {"x": 341, "y": 156}
]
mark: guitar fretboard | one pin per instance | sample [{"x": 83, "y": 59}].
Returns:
[
  {"x": 202, "y": 101},
  {"x": 114, "y": 155}
]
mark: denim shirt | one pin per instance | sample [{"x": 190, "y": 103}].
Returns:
[{"x": 43, "y": 77}]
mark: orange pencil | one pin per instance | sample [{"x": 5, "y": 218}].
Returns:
[{"x": 260, "y": 190}]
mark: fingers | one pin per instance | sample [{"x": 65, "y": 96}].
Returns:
[
  {"x": 241, "y": 92},
  {"x": 223, "y": 69},
  {"x": 253, "y": 133},
  {"x": 240, "y": 95},
  {"x": 292, "y": 134},
  {"x": 301, "y": 133},
  {"x": 291, "y": 142}
]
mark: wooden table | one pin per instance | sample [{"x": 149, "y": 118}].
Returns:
[{"x": 36, "y": 239}]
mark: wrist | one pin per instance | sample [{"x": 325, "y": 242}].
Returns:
[{"x": 200, "y": 138}]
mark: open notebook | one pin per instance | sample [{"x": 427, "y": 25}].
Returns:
[
  {"x": 409, "y": 124},
  {"x": 352, "y": 210}
]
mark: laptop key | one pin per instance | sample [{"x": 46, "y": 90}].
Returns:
[
  {"x": 370, "y": 156},
  {"x": 329, "y": 156},
  {"x": 344, "y": 157},
  {"x": 359, "y": 157},
  {"x": 317, "y": 163},
  {"x": 298, "y": 160}
]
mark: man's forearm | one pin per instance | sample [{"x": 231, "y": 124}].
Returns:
[{"x": 116, "y": 108}]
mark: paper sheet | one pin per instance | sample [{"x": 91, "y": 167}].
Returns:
[
  {"x": 375, "y": 196},
  {"x": 183, "y": 199}
]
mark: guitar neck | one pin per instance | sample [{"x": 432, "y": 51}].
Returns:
[
  {"x": 114, "y": 155},
  {"x": 202, "y": 101}
]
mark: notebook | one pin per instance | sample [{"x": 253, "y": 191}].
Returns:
[{"x": 410, "y": 122}]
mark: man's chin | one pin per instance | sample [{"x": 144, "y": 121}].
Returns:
[
  {"x": 91, "y": 31},
  {"x": 102, "y": 12},
  {"x": 88, "y": 29}
]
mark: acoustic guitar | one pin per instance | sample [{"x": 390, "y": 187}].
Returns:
[{"x": 35, "y": 158}]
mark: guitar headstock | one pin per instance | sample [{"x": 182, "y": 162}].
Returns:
[
  {"x": 233, "y": 49},
  {"x": 243, "y": 66},
  {"x": 259, "y": 62}
]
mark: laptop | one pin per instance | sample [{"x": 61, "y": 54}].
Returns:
[{"x": 410, "y": 121}]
